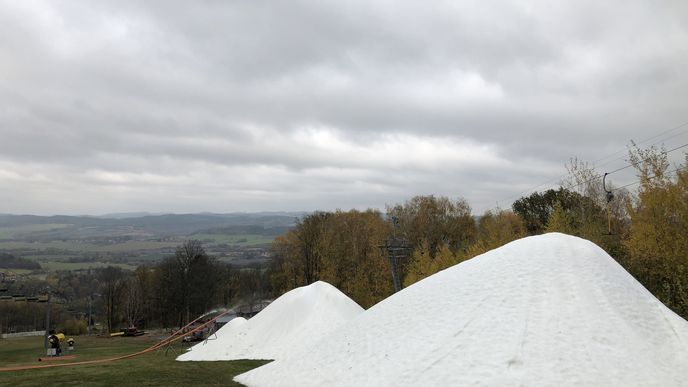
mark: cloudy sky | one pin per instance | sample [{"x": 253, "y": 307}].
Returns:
[{"x": 223, "y": 106}]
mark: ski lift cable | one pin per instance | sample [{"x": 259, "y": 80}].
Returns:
[
  {"x": 650, "y": 178},
  {"x": 684, "y": 132},
  {"x": 608, "y": 173},
  {"x": 646, "y": 140},
  {"x": 665, "y": 152},
  {"x": 608, "y": 156},
  {"x": 628, "y": 166}
]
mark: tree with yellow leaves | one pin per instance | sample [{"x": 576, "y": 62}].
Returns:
[
  {"x": 497, "y": 228},
  {"x": 561, "y": 221},
  {"x": 658, "y": 238}
]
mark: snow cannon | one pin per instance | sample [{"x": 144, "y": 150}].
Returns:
[
  {"x": 70, "y": 344},
  {"x": 54, "y": 341}
]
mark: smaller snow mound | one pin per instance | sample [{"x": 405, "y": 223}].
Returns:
[
  {"x": 231, "y": 326},
  {"x": 289, "y": 324},
  {"x": 214, "y": 340}
]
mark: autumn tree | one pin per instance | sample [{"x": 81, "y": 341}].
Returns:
[
  {"x": 432, "y": 222},
  {"x": 599, "y": 218},
  {"x": 658, "y": 239},
  {"x": 340, "y": 248},
  {"x": 285, "y": 266},
  {"x": 536, "y": 209},
  {"x": 495, "y": 229},
  {"x": 421, "y": 265},
  {"x": 309, "y": 231},
  {"x": 229, "y": 289},
  {"x": 560, "y": 220},
  {"x": 352, "y": 260}
]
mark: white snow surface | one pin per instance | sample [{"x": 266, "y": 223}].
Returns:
[
  {"x": 226, "y": 330},
  {"x": 549, "y": 310},
  {"x": 289, "y": 324}
]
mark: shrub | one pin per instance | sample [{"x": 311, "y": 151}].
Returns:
[{"x": 73, "y": 327}]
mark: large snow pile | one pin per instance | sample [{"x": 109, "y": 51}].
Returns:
[
  {"x": 290, "y": 323},
  {"x": 547, "y": 310}
]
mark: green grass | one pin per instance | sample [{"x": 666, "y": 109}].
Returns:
[
  {"x": 151, "y": 369},
  {"x": 245, "y": 240}
]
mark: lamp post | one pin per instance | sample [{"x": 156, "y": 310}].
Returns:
[{"x": 47, "y": 321}]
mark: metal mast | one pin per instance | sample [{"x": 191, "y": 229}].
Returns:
[{"x": 396, "y": 249}]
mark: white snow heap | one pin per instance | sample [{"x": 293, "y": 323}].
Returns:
[
  {"x": 290, "y": 323},
  {"x": 228, "y": 328},
  {"x": 550, "y": 310},
  {"x": 212, "y": 341}
]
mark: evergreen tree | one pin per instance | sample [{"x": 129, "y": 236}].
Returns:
[{"x": 560, "y": 221}]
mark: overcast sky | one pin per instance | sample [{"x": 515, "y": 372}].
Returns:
[{"x": 223, "y": 106}]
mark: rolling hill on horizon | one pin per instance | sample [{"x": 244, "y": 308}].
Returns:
[{"x": 68, "y": 227}]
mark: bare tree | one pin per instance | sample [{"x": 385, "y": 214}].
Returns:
[
  {"x": 188, "y": 281},
  {"x": 133, "y": 300},
  {"x": 112, "y": 280}
]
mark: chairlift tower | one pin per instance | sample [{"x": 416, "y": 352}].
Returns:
[
  {"x": 396, "y": 249},
  {"x": 610, "y": 196}
]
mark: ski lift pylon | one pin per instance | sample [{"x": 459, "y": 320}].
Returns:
[{"x": 610, "y": 197}]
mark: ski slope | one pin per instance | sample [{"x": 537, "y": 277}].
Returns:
[
  {"x": 290, "y": 323},
  {"x": 549, "y": 310}
]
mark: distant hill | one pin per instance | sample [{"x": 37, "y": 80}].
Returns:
[
  {"x": 126, "y": 215},
  {"x": 33, "y": 227}
]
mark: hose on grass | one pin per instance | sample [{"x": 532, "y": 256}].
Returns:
[
  {"x": 164, "y": 341},
  {"x": 174, "y": 337}
]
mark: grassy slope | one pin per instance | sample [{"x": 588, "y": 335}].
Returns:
[{"x": 151, "y": 369}]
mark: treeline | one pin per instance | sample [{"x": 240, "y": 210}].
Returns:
[
  {"x": 646, "y": 232},
  {"x": 167, "y": 294},
  {"x": 9, "y": 261},
  {"x": 178, "y": 289}
]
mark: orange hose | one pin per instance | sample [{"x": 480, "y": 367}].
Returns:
[
  {"x": 98, "y": 361},
  {"x": 182, "y": 329}
]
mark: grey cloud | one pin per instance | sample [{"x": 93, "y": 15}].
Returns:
[{"x": 170, "y": 89}]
